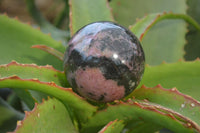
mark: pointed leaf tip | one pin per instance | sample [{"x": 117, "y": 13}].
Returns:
[
  {"x": 38, "y": 119},
  {"x": 173, "y": 101},
  {"x": 32, "y": 71},
  {"x": 157, "y": 86}
]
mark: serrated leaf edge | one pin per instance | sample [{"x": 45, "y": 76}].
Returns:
[
  {"x": 179, "y": 61},
  {"x": 28, "y": 113},
  {"x": 90, "y": 108},
  {"x": 111, "y": 10},
  {"x": 162, "y": 16},
  {"x": 159, "y": 109},
  {"x": 70, "y": 17},
  {"x": 194, "y": 102},
  {"x": 106, "y": 127},
  {"x": 174, "y": 90},
  {"x": 50, "y": 50},
  {"x": 71, "y": 14},
  {"x": 52, "y": 84},
  {"x": 28, "y": 24},
  {"x": 14, "y": 63}
]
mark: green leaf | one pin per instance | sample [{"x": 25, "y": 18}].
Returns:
[
  {"x": 126, "y": 12},
  {"x": 81, "y": 108},
  {"x": 48, "y": 117},
  {"x": 46, "y": 26},
  {"x": 29, "y": 71},
  {"x": 86, "y": 11},
  {"x": 50, "y": 50},
  {"x": 193, "y": 36},
  {"x": 9, "y": 117},
  {"x": 16, "y": 40},
  {"x": 26, "y": 96},
  {"x": 45, "y": 74},
  {"x": 60, "y": 18},
  {"x": 171, "y": 99},
  {"x": 113, "y": 127},
  {"x": 23, "y": 71},
  {"x": 185, "y": 76},
  {"x": 166, "y": 39},
  {"x": 142, "y": 127},
  {"x": 141, "y": 27},
  {"x": 139, "y": 111}
]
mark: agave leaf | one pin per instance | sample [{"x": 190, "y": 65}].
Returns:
[
  {"x": 185, "y": 76},
  {"x": 126, "y": 12},
  {"x": 86, "y": 11},
  {"x": 165, "y": 37},
  {"x": 50, "y": 50},
  {"x": 29, "y": 71},
  {"x": 9, "y": 116},
  {"x": 193, "y": 36},
  {"x": 142, "y": 26},
  {"x": 16, "y": 40},
  {"x": 171, "y": 99},
  {"x": 142, "y": 127},
  {"x": 81, "y": 108},
  {"x": 113, "y": 127},
  {"x": 140, "y": 111},
  {"x": 26, "y": 96},
  {"x": 46, "y": 26},
  {"x": 61, "y": 17},
  {"x": 38, "y": 119}
]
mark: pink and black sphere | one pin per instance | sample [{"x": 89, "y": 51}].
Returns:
[{"x": 104, "y": 62}]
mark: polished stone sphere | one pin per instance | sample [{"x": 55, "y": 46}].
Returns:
[{"x": 104, "y": 62}]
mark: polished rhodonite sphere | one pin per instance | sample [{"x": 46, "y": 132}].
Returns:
[{"x": 104, "y": 62}]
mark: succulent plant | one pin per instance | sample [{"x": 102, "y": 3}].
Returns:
[{"x": 42, "y": 99}]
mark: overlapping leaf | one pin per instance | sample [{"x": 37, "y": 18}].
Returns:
[
  {"x": 152, "y": 108},
  {"x": 171, "y": 99},
  {"x": 46, "y": 26},
  {"x": 141, "y": 27},
  {"x": 32, "y": 71},
  {"x": 166, "y": 40},
  {"x": 16, "y": 40},
  {"x": 29, "y": 71},
  {"x": 139, "y": 111},
  {"x": 126, "y": 12},
  {"x": 185, "y": 76},
  {"x": 81, "y": 108},
  {"x": 86, "y": 11},
  {"x": 9, "y": 117},
  {"x": 48, "y": 117},
  {"x": 179, "y": 116}
]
